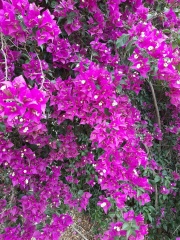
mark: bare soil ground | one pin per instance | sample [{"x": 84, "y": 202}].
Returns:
[{"x": 81, "y": 229}]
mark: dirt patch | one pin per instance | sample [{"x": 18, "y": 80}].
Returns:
[{"x": 81, "y": 229}]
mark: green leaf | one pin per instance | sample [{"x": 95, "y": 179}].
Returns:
[
  {"x": 164, "y": 197},
  {"x": 34, "y": 30},
  {"x": 98, "y": 86},
  {"x": 150, "y": 16},
  {"x": 151, "y": 208},
  {"x": 39, "y": 226},
  {"x": 106, "y": 111},
  {"x": 135, "y": 227},
  {"x": 130, "y": 46},
  {"x": 178, "y": 67},
  {"x": 83, "y": 153},
  {"x": 165, "y": 227},
  {"x": 150, "y": 218},
  {"x": 122, "y": 40},
  {"x": 112, "y": 215},
  {"x": 164, "y": 173},
  {"x": 166, "y": 31},
  {"x": 53, "y": 4},
  {"x": 96, "y": 178},
  {"x": 129, "y": 232},
  {"x": 23, "y": 25},
  {"x": 139, "y": 192},
  {"x": 174, "y": 44},
  {"x": 2, "y": 127},
  {"x": 157, "y": 179},
  {"x": 126, "y": 226},
  {"x": 70, "y": 17},
  {"x": 80, "y": 192},
  {"x": 119, "y": 89},
  {"x": 119, "y": 216}
]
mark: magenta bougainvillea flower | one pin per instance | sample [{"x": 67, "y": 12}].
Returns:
[
  {"x": 104, "y": 204},
  {"x": 73, "y": 75}
]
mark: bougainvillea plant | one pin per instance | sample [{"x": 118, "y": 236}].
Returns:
[{"x": 89, "y": 117}]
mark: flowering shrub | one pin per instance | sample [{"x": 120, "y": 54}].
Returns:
[{"x": 89, "y": 117}]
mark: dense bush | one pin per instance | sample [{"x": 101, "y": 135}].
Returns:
[{"x": 89, "y": 117}]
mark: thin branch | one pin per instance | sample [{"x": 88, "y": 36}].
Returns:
[
  {"x": 10, "y": 201},
  {"x": 155, "y": 104},
  {"x": 157, "y": 110},
  {"x": 146, "y": 147},
  {"x": 43, "y": 77},
  {"x": 12, "y": 196},
  {"x": 176, "y": 229},
  {"x": 159, "y": 124},
  {"x": 75, "y": 229},
  {"x": 5, "y": 58},
  {"x": 156, "y": 197},
  {"x": 80, "y": 227},
  {"x": 3, "y": 211}
]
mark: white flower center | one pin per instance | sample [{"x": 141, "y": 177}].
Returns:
[
  {"x": 114, "y": 103},
  {"x": 117, "y": 228},
  {"x": 3, "y": 88},
  {"x": 138, "y": 65},
  {"x": 150, "y": 48},
  {"x": 135, "y": 56},
  {"x": 103, "y": 204},
  {"x": 135, "y": 172},
  {"x": 25, "y": 130},
  {"x": 83, "y": 81}
]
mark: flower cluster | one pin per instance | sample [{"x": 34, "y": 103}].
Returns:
[{"x": 73, "y": 76}]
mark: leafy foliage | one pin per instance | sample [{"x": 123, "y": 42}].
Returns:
[{"x": 89, "y": 117}]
